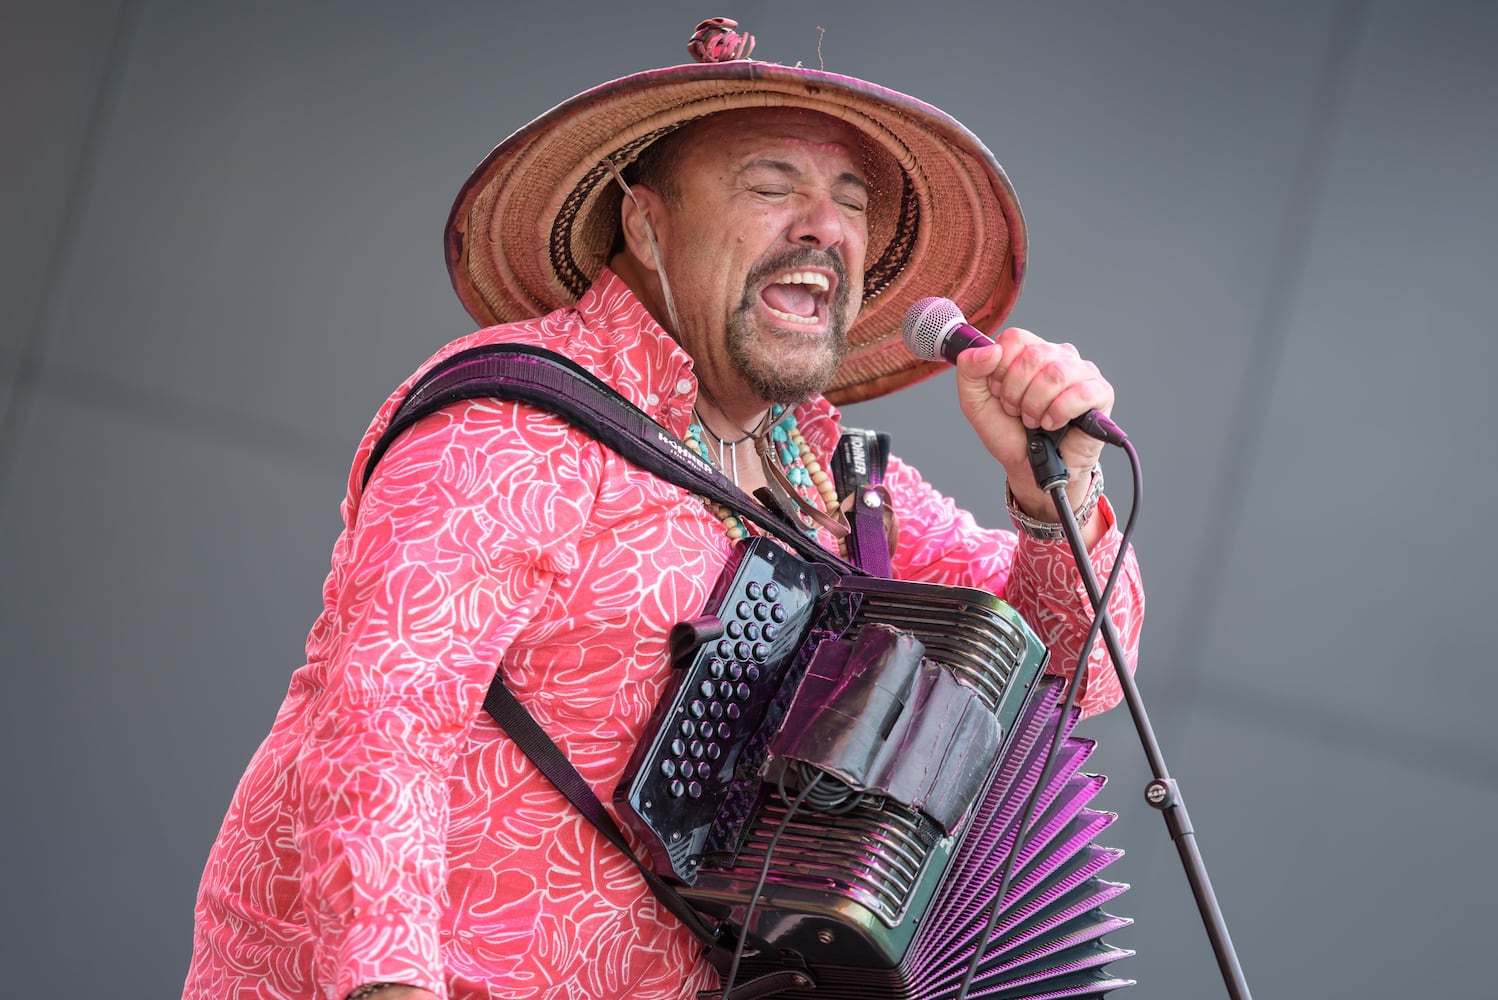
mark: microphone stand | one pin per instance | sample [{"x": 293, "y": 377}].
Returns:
[{"x": 1162, "y": 792}]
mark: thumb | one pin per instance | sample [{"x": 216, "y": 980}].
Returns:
[{"x": 979, "y": 370}]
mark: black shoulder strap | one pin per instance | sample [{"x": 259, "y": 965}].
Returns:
[
  {"x": 858, "y": 470},
  {"x": 551, "y": 382}
]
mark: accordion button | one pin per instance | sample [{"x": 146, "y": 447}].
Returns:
[
  {"x": 677, "y": 789},
  {"x": 688, "y": 727},
  {"x": 715, "y": 667},
  {"x": 697, "y": 709},
  {"x": 735, "y": 629},
  {"x": 741, "y": 609},
  {"x": 760, "y": 652},
  {"x": 714, "y": 751},
  {"x": 777, "y": 614},
  {"x": 696, "y": 750},
  {"x": 733, "y": 713},
  {"x": 704, "y": 770},
  {"x": 741, "y": 650},
  {"x": 742, "y": 691},
  {"x": 751, "y": 631},
  {"x": 769, "y": 633},
  {"x": 707, "y": 688},
  {"x": 725, "y": 648},
  {"x": 715, "y": 709},
  {"x": 694, "y": 790},
  {"x": 668, "y": 768},
  {"x": 678, "y": 747},
  {"x": 752, "y": 591},
  {"x": 761, "y": 611},
  {"x": 772, "y": 591},
  {"x": 752, "y": 672}
]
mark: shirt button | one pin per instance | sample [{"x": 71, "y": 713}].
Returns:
[
  {"x": 652, "y": 400},
  {"x": 683, "y": 387}
]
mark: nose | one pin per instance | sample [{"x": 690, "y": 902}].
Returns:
[{"x": 819, "y": 224}]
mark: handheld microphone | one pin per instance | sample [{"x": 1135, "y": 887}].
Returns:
[{"x": 936, "y": 330}]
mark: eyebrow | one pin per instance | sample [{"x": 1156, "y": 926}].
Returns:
[{"x": 792, "y": 171}]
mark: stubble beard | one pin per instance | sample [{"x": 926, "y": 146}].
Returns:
[{"x": 771, "y": 378}]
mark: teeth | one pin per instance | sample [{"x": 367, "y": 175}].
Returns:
[
  {"x": 818, "y": 281},
  {"x": 786, "y": 317}
]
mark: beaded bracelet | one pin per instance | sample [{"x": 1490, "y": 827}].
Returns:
[{"x": 1052, "y": 530}]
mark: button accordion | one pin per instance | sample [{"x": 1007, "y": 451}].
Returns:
[{"x": 843, "y": 767}]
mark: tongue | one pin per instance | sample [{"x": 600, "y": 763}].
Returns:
[{"x": 793, "y": 299}]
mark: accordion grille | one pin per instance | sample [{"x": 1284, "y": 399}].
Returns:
[
  {"x": 975, "y": 635},
  {"x": 875, "y": 854}
]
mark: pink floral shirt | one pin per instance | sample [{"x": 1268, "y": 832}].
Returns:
[{"x": 386, "y": 831}]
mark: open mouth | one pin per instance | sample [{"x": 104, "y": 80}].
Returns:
[{"x": 798, "y": 297}]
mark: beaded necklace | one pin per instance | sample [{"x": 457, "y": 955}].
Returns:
[{"x": 800, "y": 466}]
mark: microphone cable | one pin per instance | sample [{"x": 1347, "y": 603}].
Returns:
[{"x": 793, "y": 806}]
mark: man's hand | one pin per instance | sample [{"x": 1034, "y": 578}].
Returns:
[{"x": 1022, "y": 382}]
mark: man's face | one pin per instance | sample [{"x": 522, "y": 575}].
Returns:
[{"x": 764, "y": 250}]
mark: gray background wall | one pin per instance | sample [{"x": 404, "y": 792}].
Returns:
[{"x": 1270, "y": 223}]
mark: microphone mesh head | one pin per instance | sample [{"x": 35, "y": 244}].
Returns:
[{"x": 927, "y": 324}]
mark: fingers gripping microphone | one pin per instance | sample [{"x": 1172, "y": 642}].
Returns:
[{"x": 935, "y": 329}]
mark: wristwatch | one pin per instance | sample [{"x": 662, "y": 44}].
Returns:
[{"x": 1052, "y": 530}]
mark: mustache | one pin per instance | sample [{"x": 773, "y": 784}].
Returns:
[{"x": 797, "y": 258}]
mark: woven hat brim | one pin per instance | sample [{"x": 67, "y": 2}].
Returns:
[{"x": 534, "y": 223}]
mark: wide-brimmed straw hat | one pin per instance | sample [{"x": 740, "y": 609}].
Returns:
[{"x": 536, "y": 220}]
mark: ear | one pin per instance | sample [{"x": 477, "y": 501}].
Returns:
[{"x": 640, "y": 211}]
